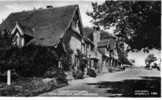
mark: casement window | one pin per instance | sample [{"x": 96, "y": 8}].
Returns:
[{"x": 18, "y": 40}]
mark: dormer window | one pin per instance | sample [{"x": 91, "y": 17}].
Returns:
[
  {"x": 17, "y": 36},
  {"x": 75, "y": 24}
]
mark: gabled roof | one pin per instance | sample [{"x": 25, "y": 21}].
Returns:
[
  {"x": 47, "y": 26},
  {"x": 17, "y": 28}
]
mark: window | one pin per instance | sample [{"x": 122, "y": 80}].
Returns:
[
  {"x": 75, "y": 26},
  {"x": 17, "y": 36},
  {"x": 18, "y": 40}
]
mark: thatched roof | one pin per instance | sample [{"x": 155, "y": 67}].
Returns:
[{"x": 46, "y": 26}]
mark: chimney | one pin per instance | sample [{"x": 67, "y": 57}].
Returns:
[
  {"x": 49, "y": 6},
  {"x": 96, "y": 36}
]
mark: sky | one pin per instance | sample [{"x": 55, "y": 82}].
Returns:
[
  {"x": 6, "y": 7},
  {"x": 10, "y": 6}
]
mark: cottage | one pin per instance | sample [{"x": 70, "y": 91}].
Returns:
[
  {"x": 108, "y": 49},
  {"x": 50, "y": 27},
  {"x": 95, "y": 59},
  {"x": 113, "y": 51}
]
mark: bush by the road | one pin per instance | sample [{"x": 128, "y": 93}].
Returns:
[
  {"x": 32, "y": 86},
  {"x": 29, "y": 87},
  {"x": 57, "y": 73},
  {"x": 91, "y": 73},
  {"x": 78, "y": 74},
  {"x": 28, "y": 61}
]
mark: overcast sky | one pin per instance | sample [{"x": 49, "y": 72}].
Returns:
[
  {"x": 9, "y": 6},
  {"x": 6, "y": 7}
]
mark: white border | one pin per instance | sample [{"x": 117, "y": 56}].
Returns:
[{"x": 78, "y": 98}]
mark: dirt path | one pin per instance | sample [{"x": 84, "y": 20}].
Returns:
[{"x": 124, "y": 83}]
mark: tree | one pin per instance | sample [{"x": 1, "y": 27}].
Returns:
[
  {"x": 138, "y": 22},
  {"x": 149, "y": 59}
]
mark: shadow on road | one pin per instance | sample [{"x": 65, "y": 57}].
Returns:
[{"x": 145, "y": 87}]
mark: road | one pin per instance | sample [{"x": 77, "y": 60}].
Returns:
[{"x": 133, "y": 82}]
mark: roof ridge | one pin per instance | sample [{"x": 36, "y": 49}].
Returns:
[{"x": 33, "y": 10}]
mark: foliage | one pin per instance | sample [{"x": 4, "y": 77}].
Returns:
[
  {"x": 57, "y": 73},
  {"x": 79, "y": 73},
  {"x": 122, "y": 54},
  {"x": 51, "y": 72},
  {"x": 149, "y": 59},
  {"x": 83, "y": 60},
  {"x": 33, "y": 60},
  {"x": 137, "y": 22},
  {"x": 3, "y": 76},
  {"x": 61, "y": 77},
  {"x": 66, "y": 62},
  {"x": 28, "y": 61},
  {"x": 91, "y": 72},
  {"x": 5, "y": 39},
  {"x": 29, "y": 87}
]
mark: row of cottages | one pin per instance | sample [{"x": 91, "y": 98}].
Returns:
[
  {"x": 50, "y": 27},
  {"x": 113, "y": 51},
  {"x": 94, "y": 56},
  {"x": 108, "y": 50}
]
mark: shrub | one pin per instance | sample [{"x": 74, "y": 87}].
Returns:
[
  {"x": 78, "y": 74},
  {"x": 61, "y": 77},
  {"x": 51, "y": 72},
  {"x": 149, "y": 59},
  {"x": 66, "y": 62},
  {"x": 28, "y": 87},
  {"x": 56, "y": 73},
  {"x": 29, "y": 61},
  {"x": 91, "y": 73}
]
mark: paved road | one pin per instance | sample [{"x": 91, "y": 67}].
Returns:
[{"x": 132, "y": 82}]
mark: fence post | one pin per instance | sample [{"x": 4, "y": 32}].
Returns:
[{"x": 8, "y": 77}]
